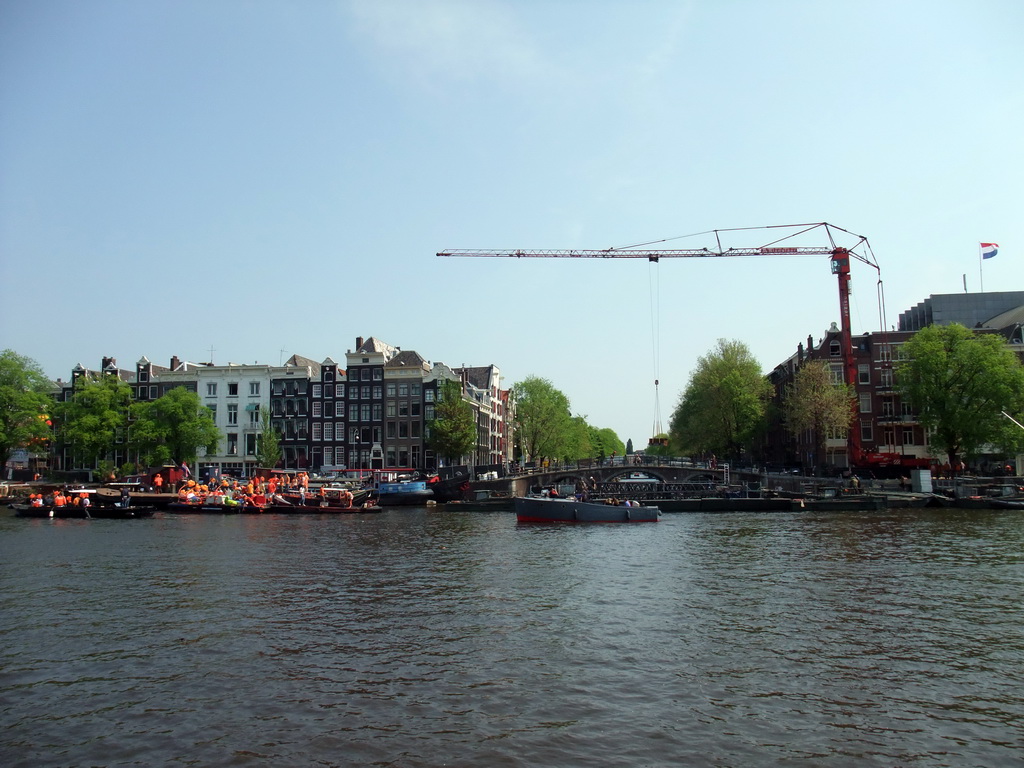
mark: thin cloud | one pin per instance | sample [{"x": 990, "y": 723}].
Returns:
[{"x": 456, "y": 41}]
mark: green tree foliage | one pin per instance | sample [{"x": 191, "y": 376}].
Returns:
[
  {"x": 817, "y": 404},
  {"x": 578, "y": 440},
  {"x": 452, "y": 431},
  {"x": 606, "y": 443},
  {"x": 25, "y": 402},
  {"x": 95, "y": 417},
  {"x": 268, "y": 448},
  {"x": 724, "y": 403},
  {"x": 543, "y": 420},
  {"x": 173, "y": 428},
  {"x": 959, "y": 382}
]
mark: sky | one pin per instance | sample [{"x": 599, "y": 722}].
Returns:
[{"x": 243, "y": 181}]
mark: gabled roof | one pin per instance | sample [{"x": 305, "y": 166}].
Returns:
[
  {"x": 298, "y": 361},
  {"x": 375, "y": 345},
  {"x": 406, "y": 359},
  {"x": 478, "y": 376}
]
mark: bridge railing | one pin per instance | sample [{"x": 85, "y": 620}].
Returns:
[{"x": 610, "y": 462}]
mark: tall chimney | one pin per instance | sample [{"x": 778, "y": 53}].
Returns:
[
  {"x": 359, "y": 342},
  {"x": 175, "y": 362}
]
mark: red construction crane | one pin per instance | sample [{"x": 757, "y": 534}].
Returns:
[{"x": 839, "y": 259}]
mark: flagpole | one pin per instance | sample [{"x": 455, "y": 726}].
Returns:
[{"x": 981, "y": 272}]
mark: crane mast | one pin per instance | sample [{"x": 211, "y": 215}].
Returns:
[{"x": 839, "y": 260}]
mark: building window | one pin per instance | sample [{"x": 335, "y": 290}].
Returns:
[
  {"x": 353, "y": 435},
  {"x": 317, "y": 391},
  {"x": 886, "y": 377},
  {"x": 416, "y": 390},
  {"x": 428, "y": 412},
  {"x": 364, "y": 374},
  {"x": 403, "y": 429},
  {"x": 317, "y": 409},
  {"x": 317, "y": 430},
  {"x": 414, "y": 408},
  {"x": 364, "y": 412},
  {"x": 403, "y": 408},
  {"x": 403, "y": 390},
  {"x": 391, "y": 388},
  {"x": 888, "y": 409},
  {"x": 254, "y": 388},
  {"x": 908, "y": 435},
  {"x": 211, "y": 389},
  {"x": 328, "y": 374},
  {"x": 834, "y": 348},
  {"x": 250, "y": 445},
  {"x": 353, "y": 412},
  {"x": 392, "y": 430},
  {"x": 152, "y": 393},
  {"x": 339, "y": 431},
  {"x": 392, "y": 410},
  {"x": 329, "y": 391},
  {"x": 233, "y": 389},
  {"x": 232, "y": 443},
  {"x": 329, "y": 431},
  {"x": 254, "y": 418},
  {"x": 866, "y": 434},
  {"x": 328, "y": 457},
  {"x": 213, "y": 412},
  {"x": 378, "y": 374},
  {"x": 865, "y": 402},
  {"x": 378, "y": 392},
  {"x": 377, "y": 412},
  {"x": 864, "y": 373},
  {"x": 339, "y": 409},
  {"x": 415, "y": 429},
  {"x": 428, "y": 396},
  {"x": 884, "y": 352},
  {"x": 364, "y": 393},
  {"x": 232, "y": 413}
]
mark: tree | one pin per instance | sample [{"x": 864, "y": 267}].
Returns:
[
  {"x": 815, "y": 403},
  {"x": 173, "y": 428},
  {"x": 453, "y": 429},
  {"x": 268, "y": 449},
  {"x": 724, "y": 403},
  {"x": 95, "y": 417},
  {"x": 606, "y": 442},
  {"x": 578, "y": 443},
  {"x": 24, "y": 404},
  {"x": 543, "y": 420},
  {"x": 959, "y": 382}
]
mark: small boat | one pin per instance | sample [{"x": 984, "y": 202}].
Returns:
[
  {"x": 546, "y": 509},
  {"x": 482, "y": 501},
  {"x": 67, "y": 511},
  {"x": 406, "y": 493}
]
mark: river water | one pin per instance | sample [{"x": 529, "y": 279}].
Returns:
[{"x": 431, "y": 638}]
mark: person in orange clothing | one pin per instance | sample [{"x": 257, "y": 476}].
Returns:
[
  {"x": 58, "y": 499},
  {"x": 158, "y": 483}
]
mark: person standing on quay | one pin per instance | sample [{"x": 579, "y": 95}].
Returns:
[{"x": 158, "y": 483}]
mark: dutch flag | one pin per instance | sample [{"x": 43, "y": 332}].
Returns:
[{"x": 988, "y": 250}]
